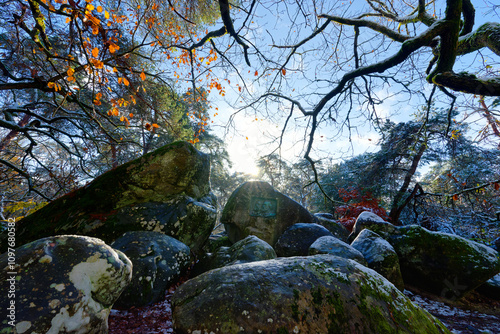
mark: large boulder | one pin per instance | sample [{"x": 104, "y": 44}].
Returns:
[
  {"x": 333, "y": 246},
  {"x": 61, "y": 284},
  {"x": 158, "y": 260},
  {"x": 297, "y": 239},
  {"x": 250, "y": 249},
  {"x": 256, "y": 208},
  {"x": 167, "y": 191},
  {"x": 440, "y": 263},
  {"x": 380, "y": 256},
  {"x": 313, "y": 294}
]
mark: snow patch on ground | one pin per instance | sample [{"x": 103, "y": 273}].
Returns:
[{"x": 458, "y": 320}]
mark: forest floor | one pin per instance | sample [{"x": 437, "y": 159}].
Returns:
[{"x": 472, "y": 315}]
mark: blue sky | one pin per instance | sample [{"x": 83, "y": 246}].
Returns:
[{"x": 250, "y": 134}]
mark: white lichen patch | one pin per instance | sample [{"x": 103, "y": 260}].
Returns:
[
  {"x": 45, "y": 259},
  {"x": 23, "y": 326},
  {"x": 58, "y": 287}
]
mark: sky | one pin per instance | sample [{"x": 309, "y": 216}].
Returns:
[{"x": 249, "y": 135}]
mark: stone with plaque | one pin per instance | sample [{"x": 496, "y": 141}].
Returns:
[{"x": 256, "y": 208}]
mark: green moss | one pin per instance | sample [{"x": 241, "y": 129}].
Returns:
[
  {"x": 282, "y": 330},
  {"x": 317, "y": 296}
]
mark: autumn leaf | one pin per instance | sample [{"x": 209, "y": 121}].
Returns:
[
  {"x": 68, "y": 19},
  {"x": 125, "y": 82},
  {"x": 99, "y": 9},
  {"x": 455, "y": 197},
  {"x": 106, "y": 14},
  {"x": 283, "y": 71},
  {"x": 95, "y": 52},
  {"x": 143, "y": 76},
  {"x": 496, "y": 185},
  {"x": 256, "y": 73},
  {"x": 113, "y": 47}
]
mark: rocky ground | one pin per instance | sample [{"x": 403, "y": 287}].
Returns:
[{"x": 473, "y": 315}]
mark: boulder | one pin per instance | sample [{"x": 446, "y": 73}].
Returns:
[
  {"x": 440, "y": 263},
  {"x": 167, "y": 191},
  {"x": 491, "y": 288},
  {"x": 372, "y": 222},
  {"x": 313, "y": 294},
  {"x": 297, "y": 239},
  {"x": 380, "y": 256},
  {"x": 158, "y": 261},
  {"x": 256, "y": 208},
  {"x": 333, "y": 246},
  {"x": 63, "y": 284},
  {"x": 250, "y": 249},
  {"x": 338, "y": 230}
]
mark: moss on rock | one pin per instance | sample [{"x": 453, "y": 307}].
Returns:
[{"x": 315, "y": 294}]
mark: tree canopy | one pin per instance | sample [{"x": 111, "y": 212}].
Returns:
[{"x": 85, "y": 85}]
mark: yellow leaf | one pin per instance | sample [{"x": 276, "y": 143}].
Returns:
[
  {"x": 143, "y": 76},
  {"x": 106, "y": 14},
  {"x": 95, "y": 52},
  {"x": 90, "y": 7}
]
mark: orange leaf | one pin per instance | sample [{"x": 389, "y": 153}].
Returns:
[
  {"x": 283, "y": 71},
  {"x": 455, "y": 197},
  {"x": 95, "y": 52},
  {"x": 99, "y": 9},
  {"x": 143, "y": 76},
  {"x": 125, "y": 82},
  {"x": 68, "y": 19},
  {"x": 256, "y": 73}
]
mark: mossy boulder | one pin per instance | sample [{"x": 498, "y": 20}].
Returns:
[
  {"x": 63, "y": 284},
  {"x": 440, "y": 263},
  {"x": 158, "y": 261},
  {"x": 380, "y": 256},
  {"x": 312, "y": 294},
  {"x": 249, "y": 249},
  {"x": 256, "y": 208},
  {"x": 333, "y": 246},
  {"x": 167, "y": 191}
]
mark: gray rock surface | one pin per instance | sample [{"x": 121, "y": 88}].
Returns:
[
  {"x": 158, "y": 262},
  {"x": 256, "y": 208},
  {"x": 380, "y": 256},
  {"x": 296, "y": 240},
  {"x": 63, "y": 284},
  {"x": 333, "y": 246}
]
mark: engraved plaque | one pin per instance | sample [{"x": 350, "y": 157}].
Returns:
[{"x": 263, "y": 207}]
